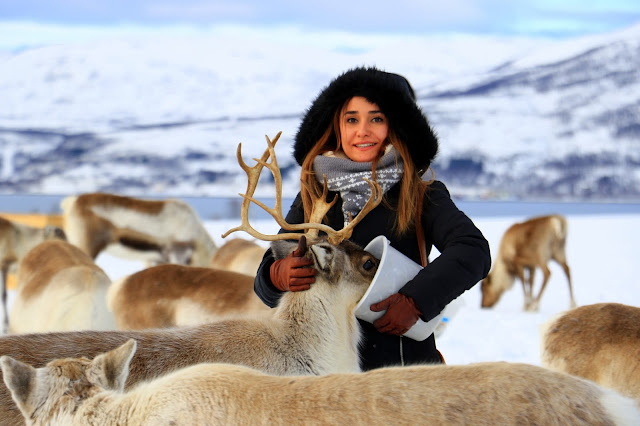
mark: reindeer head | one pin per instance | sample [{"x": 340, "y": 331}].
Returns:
[
  {"x": 51, "y": 232},
  {"x": 489, "y": 296},
  {"x": 345, "y": 264},
  {"x": 178, "y": 252},
  {"x": 336, "y": 259},
  {"x": 60, "y": 387},
  {"x": 496, "y": 283}
]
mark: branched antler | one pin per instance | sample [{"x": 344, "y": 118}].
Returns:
[{"x": 320, "y": 205}]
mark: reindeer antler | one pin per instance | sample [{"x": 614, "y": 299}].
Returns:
[{"x": 320, "y": 205}]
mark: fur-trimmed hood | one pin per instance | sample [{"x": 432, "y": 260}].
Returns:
[{"x": 391, "y": 92}]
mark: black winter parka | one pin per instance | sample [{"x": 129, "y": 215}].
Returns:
[{"x": 464, "y": 260}]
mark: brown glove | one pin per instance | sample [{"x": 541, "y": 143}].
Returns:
[
  {"x": 401, "y": 314},
  {"x": 293, "y": 273}
]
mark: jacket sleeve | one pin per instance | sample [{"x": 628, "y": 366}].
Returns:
[
  {"x": 262, "y": 284},
  {"x": 464, "y": 257}
]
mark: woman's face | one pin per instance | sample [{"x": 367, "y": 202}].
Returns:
[{"x": 363, "y": 130}]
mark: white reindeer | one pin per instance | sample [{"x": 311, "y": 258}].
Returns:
[
  {"x": 16, "y": 240},
  {"x": 156, "y": 231},
  {"x": 239, "y": 255},
  {"x": 527, "y": 246},
  {"x": 59, "y": 288},
  {"x": 83, "y": 391},
  {"x": 599, "y": 342},
  {"x": 177, "y": 295}
]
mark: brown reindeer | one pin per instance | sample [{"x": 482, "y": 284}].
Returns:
[
  {"x": 60, "y": 288},
  {"x": 524, "y": 247},
  {"x": 83, "y": 391},
  {"x": 313, "y": 332},
  {"x": 600, "y": 342},
  {"x": 16, "y": 240},
  {"x": 155, "y": 231},
  {"x": 177, "y": 295}
]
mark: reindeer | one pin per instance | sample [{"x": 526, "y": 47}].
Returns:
[
  {"x": 59, "y": 288},
  {"x": 311, "y": 332},
  {"x": 177, "y": 295},
  {"x": 598, "y": 342},
  {"x": 155, "y": 231},
  {"x": 15, "y": 241},
  {"x": 239, "y": 255},
  {"x": 527, "y": 246},
  {"x": 83, "y": 391}
]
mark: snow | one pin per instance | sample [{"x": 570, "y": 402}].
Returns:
[{"x": 601, "y": 249}]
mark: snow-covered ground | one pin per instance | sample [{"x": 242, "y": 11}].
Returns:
[{"x": 602, "y": 252}]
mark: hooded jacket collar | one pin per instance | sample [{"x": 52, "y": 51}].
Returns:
[{"x": 391, "y": 92}]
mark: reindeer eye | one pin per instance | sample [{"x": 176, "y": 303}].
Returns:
[{"x": 368, "y": 265}]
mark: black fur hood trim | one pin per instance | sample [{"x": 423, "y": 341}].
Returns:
[{"x": 391, "y": 92}]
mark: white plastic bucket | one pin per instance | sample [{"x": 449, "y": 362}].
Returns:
[{"x": 394, "y": 271}]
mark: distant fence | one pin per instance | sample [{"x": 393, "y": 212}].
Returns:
[{"x": 38, "y": 220}]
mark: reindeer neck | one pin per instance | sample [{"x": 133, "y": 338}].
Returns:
[
  {"x": 205, "y": 249},
  {"x": 313, "y": 305},
  {"x": 106, "y": 408},
  {"x": 327, "y": 318}
]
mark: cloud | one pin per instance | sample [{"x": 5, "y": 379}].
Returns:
[
  {"x": 498, "y": 17},
  {"x": 200, "y": 11}
]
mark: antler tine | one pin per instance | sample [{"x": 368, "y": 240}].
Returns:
[
  {"x": 374, "y": 200},
  {"x": 253, "y": 175},
  {"x": 320, "y": 208}
]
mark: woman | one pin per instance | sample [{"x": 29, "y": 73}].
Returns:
[{"x": 366, "y": 123}]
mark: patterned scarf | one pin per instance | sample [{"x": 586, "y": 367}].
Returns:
[{"x": 346, "y": 176}]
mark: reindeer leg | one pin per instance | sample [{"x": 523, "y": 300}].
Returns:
[
  {"x": 536, "y": 303},
  {"x": 567, "y": 272},
  {"x": 532, "y": 276},
  {"x": 561, "y": 259},
  {"x": 527, "y": 296},
  {"x": 5, "y": 319}
]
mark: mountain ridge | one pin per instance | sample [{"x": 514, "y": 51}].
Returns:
[{"x": 129, "y": 118}]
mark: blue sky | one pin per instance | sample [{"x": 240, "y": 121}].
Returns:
[{"x": 548, "y": 18}]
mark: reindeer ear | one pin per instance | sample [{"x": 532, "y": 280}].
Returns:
[
  {"x": 19, "y": 378},
  {"x": 323, "y": 254},
  {"x": 111, "y": 369},
  {"x": 282, "y": 248}
]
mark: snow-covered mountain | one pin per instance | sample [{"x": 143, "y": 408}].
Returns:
[{"x": 517, "y": 118}]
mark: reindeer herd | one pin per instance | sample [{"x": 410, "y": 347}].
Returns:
[{"x": 186, "y": 341}]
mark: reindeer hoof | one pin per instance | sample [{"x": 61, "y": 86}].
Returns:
[{"x": 532, "y": 307}]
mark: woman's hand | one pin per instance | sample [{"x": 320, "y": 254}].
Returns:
[
  {"x": 402, "y": 313},
  {"x": 292, "y": 273}
]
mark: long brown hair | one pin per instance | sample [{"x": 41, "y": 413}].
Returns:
[{"x": 411, "y": 183}]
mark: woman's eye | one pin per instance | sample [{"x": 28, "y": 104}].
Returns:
[
  {"x": 377, "y": 119},
  {"x": 368, "y": 265},
  {"x": 351, "y": 120}
]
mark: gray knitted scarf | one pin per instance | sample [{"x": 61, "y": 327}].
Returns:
[{"x": 347, "y": 177}]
